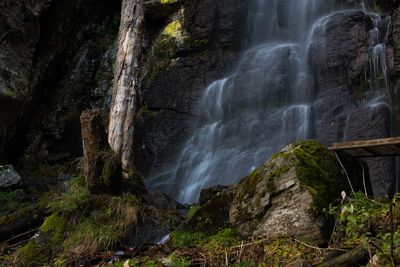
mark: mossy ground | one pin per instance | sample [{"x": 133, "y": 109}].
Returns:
[
  {"x": 366, "y": 223},
  {"x": 359, "y": 222},
  {"x": 80, "y": 225}
]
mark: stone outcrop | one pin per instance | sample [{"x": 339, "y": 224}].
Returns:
[{"x": 285, "y": 197}]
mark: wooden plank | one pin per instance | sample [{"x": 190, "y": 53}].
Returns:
[
  {"x": 386, "y": 147},
  {"x": 366, "y": 143}
]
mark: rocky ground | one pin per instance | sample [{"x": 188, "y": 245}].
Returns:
[{"x": 298, "y": 209}]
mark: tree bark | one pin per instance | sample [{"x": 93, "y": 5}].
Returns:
[
  {"x": 101, "y": 167},
  {"x": 124, "y": 101}
]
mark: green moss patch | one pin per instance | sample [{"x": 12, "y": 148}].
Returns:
[
  {"x": 165, "y": 2},
  {"x": 76, "y": 200},
  {"x": 248, "y": 185},
  {"x": 40, "y": 251},
  {"x": 319, "y": 170},
  {"x": 33, "y": 254},
  {"x": 55, "y": 226},
  {"x": 224, "y": 237},
  {"x": 181, "y": 239}
]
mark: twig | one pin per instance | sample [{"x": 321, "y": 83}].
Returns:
[
  {"x": 317, "y": 248},
  {"x": 333, "y": 232},
  {"x": 369, "y": 251},
  {"x": 391, "y": 234},
  {"x": 15, "y": 237},
  {"x": 251, "y": 243},
  {"x": 298, "y": 241},
  {"x": 375, "y": 246},
  {"x": 240, "y": 252},
  {"x": 17, "y": 244},
  {"x": 363, "y": 176},
  {"x": 344, "y": 169},
  {"x": 376, "y": 202}
]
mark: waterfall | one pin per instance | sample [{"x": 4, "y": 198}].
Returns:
[{"x": 266, "y": 103}]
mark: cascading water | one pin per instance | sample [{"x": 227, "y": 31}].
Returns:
[{"x": 266, "y": 103}]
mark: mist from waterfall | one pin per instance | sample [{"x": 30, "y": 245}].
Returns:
[{"x": 267, "y": 102}]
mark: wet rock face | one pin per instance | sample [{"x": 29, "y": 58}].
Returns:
[
  {"x": 340, "y": 57},
  {"x": 339, "y": 51},
  {"x": 178, "y": 69},
  {"x": 285, "y": 197}
]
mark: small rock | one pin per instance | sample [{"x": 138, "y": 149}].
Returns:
[
  {"x": 119, "y": 253},
  {"x": 163, "y": 240},
  {"x": 8, "y": 176}
]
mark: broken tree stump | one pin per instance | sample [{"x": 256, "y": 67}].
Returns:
[{"x": 101, "y": 165}]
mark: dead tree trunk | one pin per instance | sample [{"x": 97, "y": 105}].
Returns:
[
  {"x": 123, "y": 108},
  {"x": 101, "y": 167}
]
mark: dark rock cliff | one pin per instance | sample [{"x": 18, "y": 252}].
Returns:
[
  {"x": 56, "y": 60},
  {"x": 57, "y": 56}
]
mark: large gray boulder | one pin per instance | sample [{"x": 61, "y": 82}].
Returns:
[{"x": 286, "y": 196}]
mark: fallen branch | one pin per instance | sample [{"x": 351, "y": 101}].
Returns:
[
  {"x": 23, "y": 234},
  {"x": 317, "y": 248},
  {"x": 17, "y": 244}
]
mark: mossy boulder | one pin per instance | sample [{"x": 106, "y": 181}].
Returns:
[{"x": 287, "y": 195}]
